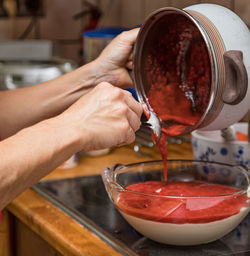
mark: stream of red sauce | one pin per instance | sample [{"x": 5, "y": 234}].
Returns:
[{"x": 178, "y": 78}]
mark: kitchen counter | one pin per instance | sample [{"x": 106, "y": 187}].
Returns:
[{"x": 31, "y": 225}]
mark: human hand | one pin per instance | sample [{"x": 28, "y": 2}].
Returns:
[
  {"x": 105, "y": 117},
  {"x": 115, "y": 60}
]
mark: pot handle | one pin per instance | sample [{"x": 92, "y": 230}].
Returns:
[{"x": 236, "y": 77}]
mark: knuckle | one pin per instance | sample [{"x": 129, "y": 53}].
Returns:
[
  {"x": 126, "y": 127},
  {"x": 140, "y": 108},
  {"x": 124, "y": 111},
  {"x": 121, "y": 110},
  {"x": 123, "y": 35},
  {"x": 138, "y": 125},
  {"x": 104, "y": 84},
  {"x": 131, "y": 137},
  {"x": 116, "y": 93}
]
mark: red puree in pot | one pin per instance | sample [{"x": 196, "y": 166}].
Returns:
[
  {"x": 178, "y": 74},
  {"x": 178, "y": 78},
  {"x": 181, "y": 210}
]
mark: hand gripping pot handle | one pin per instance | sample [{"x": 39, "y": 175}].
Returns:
[{"x": 236, "y": 77}]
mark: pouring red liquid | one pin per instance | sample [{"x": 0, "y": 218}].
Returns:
[
  {"x": 178, "y": 75},
  {"x": 178, "y": 78}
]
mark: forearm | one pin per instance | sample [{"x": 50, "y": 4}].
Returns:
[
  {"x": 24, "y": 107},
  {"x": 33, "y": 153},
  {"x": 106, "y": 117}
]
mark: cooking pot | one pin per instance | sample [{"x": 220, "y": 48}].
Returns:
[{"x": 227, "y": 41}]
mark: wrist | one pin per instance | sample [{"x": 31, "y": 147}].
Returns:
[
  {"x": 59, "y": 137},
  {"x": 72, "y": 126},
  {"x": 102, "y": 72}
]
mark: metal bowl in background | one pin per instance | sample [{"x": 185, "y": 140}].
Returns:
[{"x": 18, "y": 74}]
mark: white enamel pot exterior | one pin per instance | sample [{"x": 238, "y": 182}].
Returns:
[
  {"x": 227, "y": 39},
  {"x": 226, "y": 27}
]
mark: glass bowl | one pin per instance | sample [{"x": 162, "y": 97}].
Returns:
[{"x": 200, "y": 202}]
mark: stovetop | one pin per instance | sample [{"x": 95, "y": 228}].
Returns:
[{"x": 85, "y": 200}]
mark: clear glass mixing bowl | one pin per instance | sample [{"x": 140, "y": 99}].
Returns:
[{"x": 176, "y": 219}]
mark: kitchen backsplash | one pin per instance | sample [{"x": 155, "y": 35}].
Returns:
[{"x": 59, "y": 25}]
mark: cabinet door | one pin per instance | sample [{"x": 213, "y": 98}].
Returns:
[
  {"x": 28, "y": 243},
  {"x": 5, "y": 234}
]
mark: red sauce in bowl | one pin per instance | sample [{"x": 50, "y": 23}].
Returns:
[
  {"x": 207, "y": 208},
  {"x": 178, "y": 87}
]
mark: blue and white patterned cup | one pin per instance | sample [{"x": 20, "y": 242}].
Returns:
[{"x": 210, "y": 146}]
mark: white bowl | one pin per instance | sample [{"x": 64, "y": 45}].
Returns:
[{"x": 210, "y": 146}]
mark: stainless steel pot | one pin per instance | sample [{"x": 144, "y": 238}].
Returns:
[{"x": 19, "y": 74}]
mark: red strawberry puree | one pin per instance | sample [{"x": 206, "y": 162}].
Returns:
[
  {"x": 178, "y": 76},
  {"x": 180, "y": 210}
]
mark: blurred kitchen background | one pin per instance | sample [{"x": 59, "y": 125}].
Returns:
[
  {"x": 63, "y": 21},
  {"x": 42, "y": 39}
]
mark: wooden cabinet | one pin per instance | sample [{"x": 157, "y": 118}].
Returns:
[
  {"x": 28, "y": 243},
  {"x": 17, "y": 239},
  {"x": 5, "y": 234}
]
